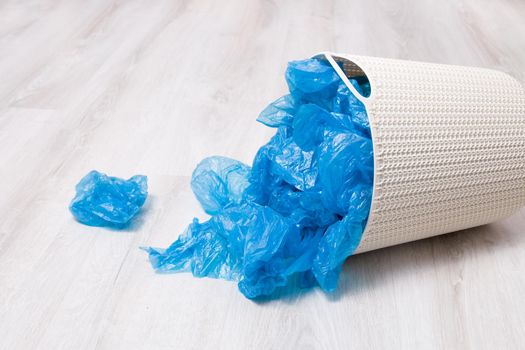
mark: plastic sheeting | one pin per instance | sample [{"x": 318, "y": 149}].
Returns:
[
  {"x": 103, "y": 200},
  {"x": 300, "y": 210}
]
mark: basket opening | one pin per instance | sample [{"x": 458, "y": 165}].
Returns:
[{"x": 353, "y": 71}]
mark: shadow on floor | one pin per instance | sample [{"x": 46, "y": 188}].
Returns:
[{"x": 368, "y": 270}]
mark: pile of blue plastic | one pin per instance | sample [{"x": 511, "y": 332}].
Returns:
[{"x": 300, "y": 210}]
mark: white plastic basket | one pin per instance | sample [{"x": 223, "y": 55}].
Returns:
[{"x": 449, "y": 146}]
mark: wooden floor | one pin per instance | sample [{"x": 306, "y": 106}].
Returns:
[{"x": 151, "y": 87}]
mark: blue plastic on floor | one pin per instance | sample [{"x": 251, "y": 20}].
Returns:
[
  {"x": 103, "y": 200},
  {"x": 300, "y": 210}
]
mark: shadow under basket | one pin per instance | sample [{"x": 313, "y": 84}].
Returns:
[{"x": 449, "y": 146}]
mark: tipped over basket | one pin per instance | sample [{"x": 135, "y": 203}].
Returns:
[{"x": 449, "y": 146}]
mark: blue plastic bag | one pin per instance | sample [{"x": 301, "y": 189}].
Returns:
[
  {"x": 300, "y": 209},
  {"x": 103, "y": 200}
]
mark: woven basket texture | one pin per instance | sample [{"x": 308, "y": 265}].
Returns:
[{"x": 449, "y": 147}]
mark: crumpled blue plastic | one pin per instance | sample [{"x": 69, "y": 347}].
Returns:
[
  {"x": 103, "y": 200},
  {"x": 300, "y": 210}
]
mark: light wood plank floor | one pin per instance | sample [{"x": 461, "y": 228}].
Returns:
[{"x": 151, "y": 87}]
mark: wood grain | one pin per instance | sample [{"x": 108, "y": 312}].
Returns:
[{"x": 152, "y": 87}]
